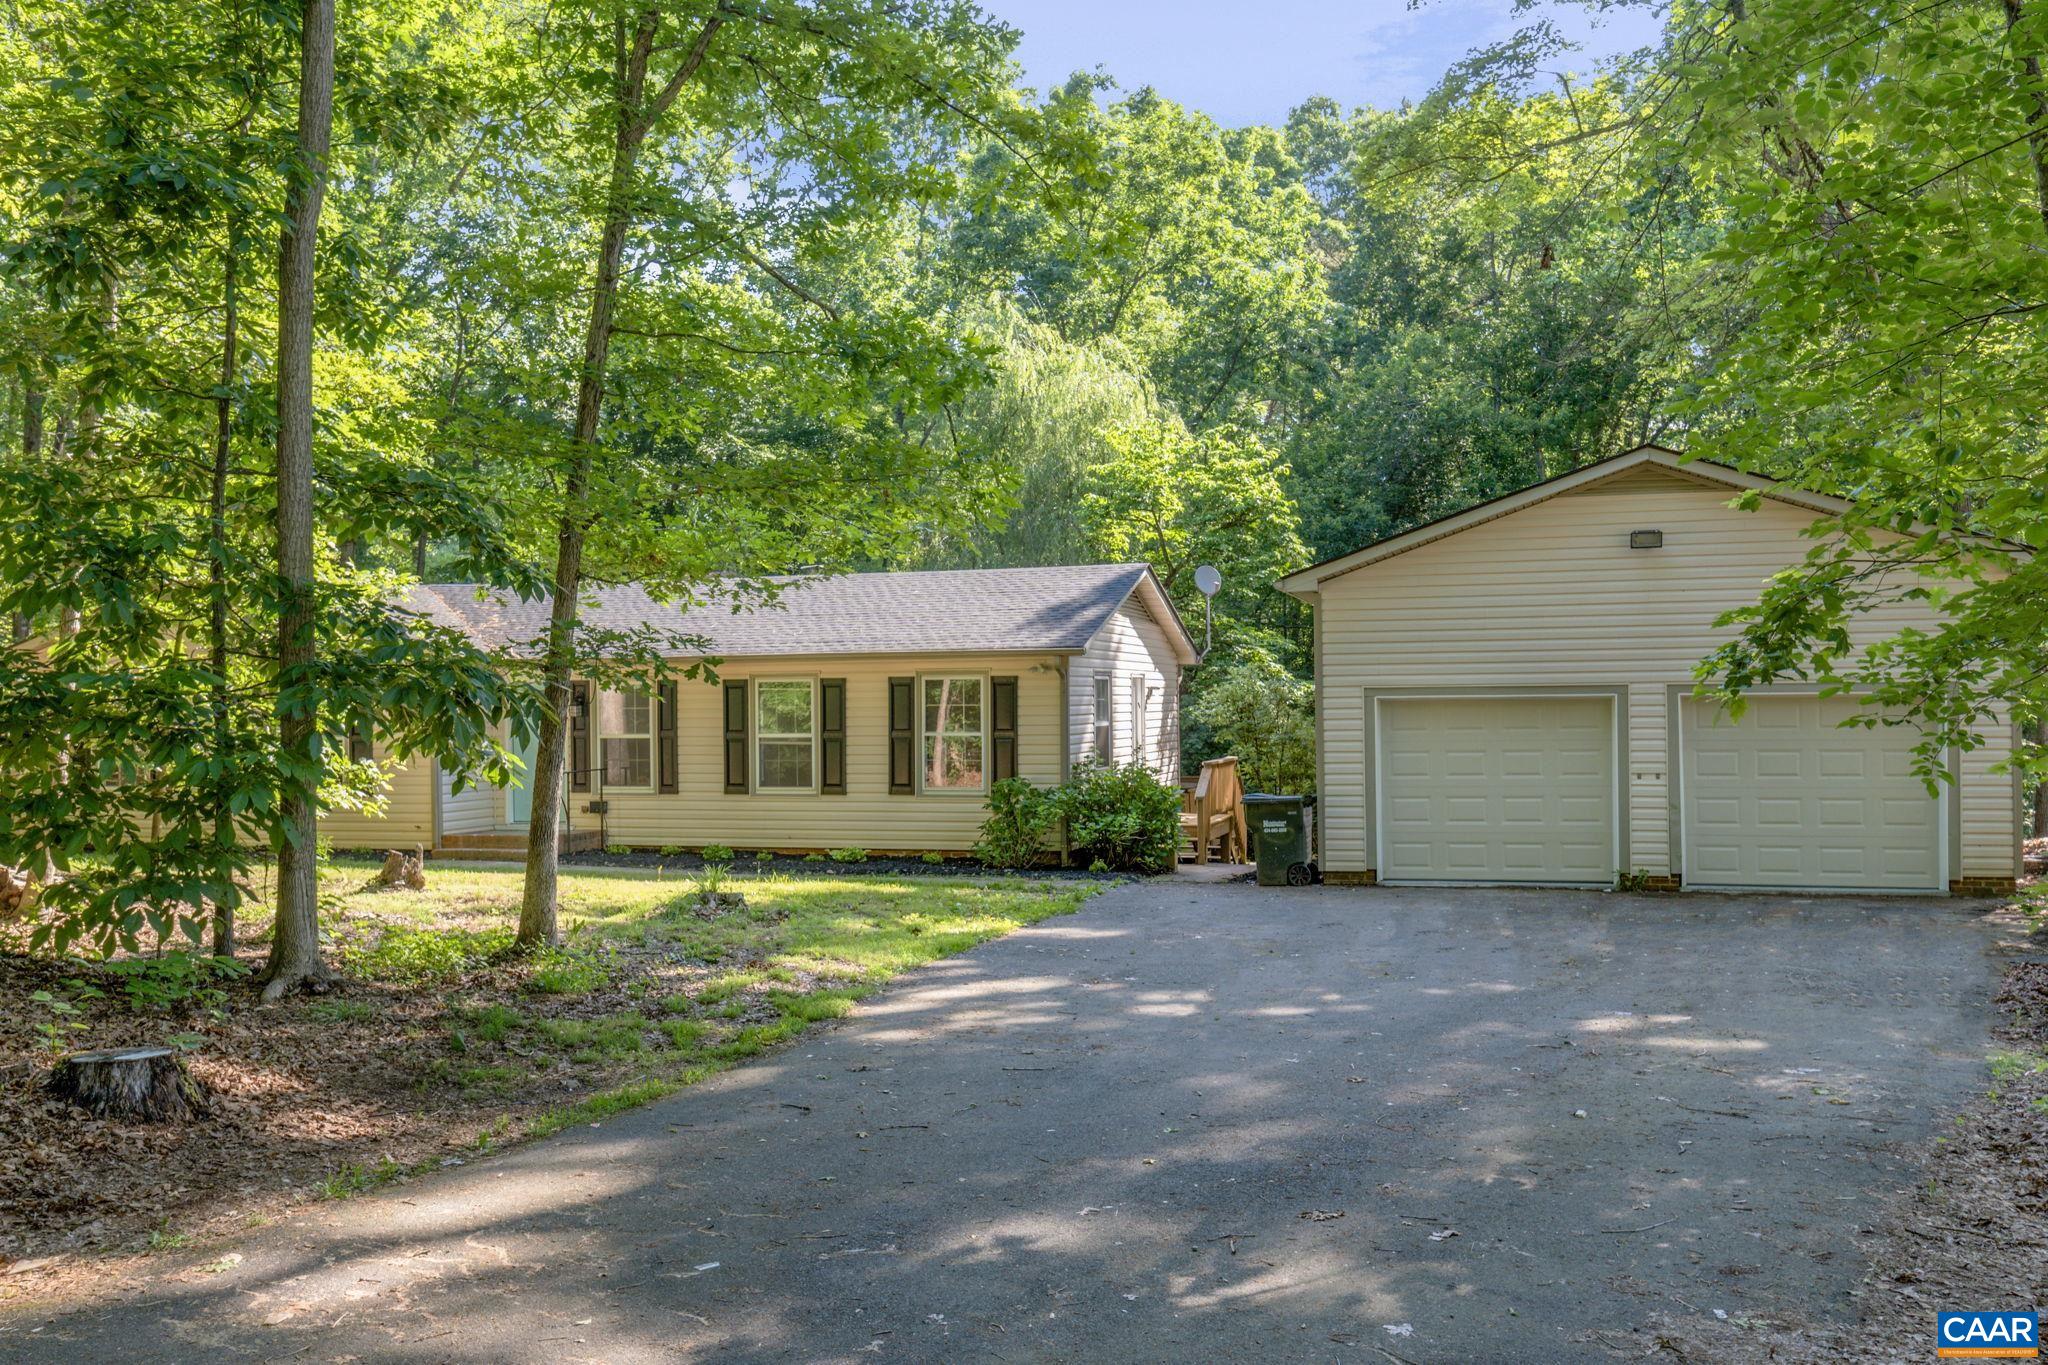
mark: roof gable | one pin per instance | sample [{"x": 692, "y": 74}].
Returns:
[
  {"x": 1645, "y": 458},
  {"x": 959, "y": 611}
]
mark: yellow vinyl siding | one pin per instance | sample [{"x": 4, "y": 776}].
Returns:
[
  {"x": 1130, "y": 644},
  {"x": 1551, "y": 595},
  {"x": 867, "y": 816},
  {"x": 408, "y": 816}
]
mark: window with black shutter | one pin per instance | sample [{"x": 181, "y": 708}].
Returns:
[
  {"x": 1002, "y": 728},
  {"x": 736, "y": 737},
  {"x": 902, "y": 736},
  {"x": 665, "y": 740},
  {"x": 832, "y": 736}
]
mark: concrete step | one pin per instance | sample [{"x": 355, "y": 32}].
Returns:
[{"x": 510, "y": 844}]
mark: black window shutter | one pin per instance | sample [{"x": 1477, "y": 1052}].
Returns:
[
  {"x": 1002, "y": 710},
  {"x": 665, "y": 740},
  {"x": 579, "y": 736},
  {"x": 832, "y": 736},
  {"x": 902, "y": 736},
  {"x": 736, "y": 737}
]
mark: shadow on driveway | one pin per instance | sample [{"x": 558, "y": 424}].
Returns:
[{"x": 1190, "y": 1122}]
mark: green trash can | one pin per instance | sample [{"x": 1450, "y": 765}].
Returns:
[{"x": 1280, "y": 845}]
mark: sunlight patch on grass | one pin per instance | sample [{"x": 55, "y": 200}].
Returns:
[{"x": 636, "y": 1004}]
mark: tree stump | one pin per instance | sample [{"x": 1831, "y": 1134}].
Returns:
[
  {"x": 148, "y": 1084},
  {"x": 17, "y": 893},
  {"x": 712, "y": 904},
  {"x": 408, "y": 870}
]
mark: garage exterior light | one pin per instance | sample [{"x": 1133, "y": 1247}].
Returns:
[{"x": 1645, "y": 540}]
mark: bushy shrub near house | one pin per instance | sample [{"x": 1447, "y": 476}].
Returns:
[
  {"x": 1124, "y": 818},
  {"x": 1022, "y": 822}
]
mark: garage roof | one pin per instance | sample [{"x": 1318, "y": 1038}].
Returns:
[{"x": 1307, "y": 581}]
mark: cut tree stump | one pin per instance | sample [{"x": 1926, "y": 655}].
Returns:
[
  {"x": 17, "y": 893},
  {"x": 145, "y": 1083},
  {"x": 404, "y": 870}
]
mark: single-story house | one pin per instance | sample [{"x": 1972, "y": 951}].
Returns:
[
  {"x": 865, "y": 710},
  {"x": 1505, "y": 696}
]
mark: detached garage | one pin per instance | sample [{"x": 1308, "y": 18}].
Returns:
[{"x": 1504, "y": 696}]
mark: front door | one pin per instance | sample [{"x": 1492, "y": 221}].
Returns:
[{"x": 519, "y": 796}]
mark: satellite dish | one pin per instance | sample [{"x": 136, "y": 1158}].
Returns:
[{"x": 1208, "y": 580}]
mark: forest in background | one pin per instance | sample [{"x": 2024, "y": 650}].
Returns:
[{"x": 702, "y": 293}]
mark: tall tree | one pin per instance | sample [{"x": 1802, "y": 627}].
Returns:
[
  {"x": 636, "y": 112},
  {"x": 295, "y": 942},
  {"x": 157, "y": 556},
  {"x": 746, "y": 149},
  {"x": 1885, "y": 168}
]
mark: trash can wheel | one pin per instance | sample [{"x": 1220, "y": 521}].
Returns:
[{"x": 1300, "y": 874}]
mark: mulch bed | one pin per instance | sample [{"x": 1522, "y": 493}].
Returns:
[
  {"x": 302, "y": 1090},
  {"x": 1973, "y": 1234},
  {"x": 785, "y": 865}
]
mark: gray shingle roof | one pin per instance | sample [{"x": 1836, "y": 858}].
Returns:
[{"x": 965, "y": 611}]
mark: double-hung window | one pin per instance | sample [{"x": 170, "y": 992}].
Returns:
[
  {"x": 1105, "y": 745},
  {"x": 785, "y": 736},
  {"x": 955, "y": 735},
  {"x": 625, "y": 727}
]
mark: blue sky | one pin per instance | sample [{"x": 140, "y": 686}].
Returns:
[{"x": 1251, "y": 62}]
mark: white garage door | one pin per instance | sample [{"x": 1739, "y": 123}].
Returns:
[
  {"x": 1497, "y": 789},
  {"x": 1785, "y": 798}
]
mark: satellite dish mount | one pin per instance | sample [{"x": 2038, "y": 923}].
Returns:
[{"x": 1209, "y": 581}]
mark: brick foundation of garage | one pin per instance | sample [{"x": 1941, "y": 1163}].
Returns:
[{"x": 1983, "y": 886}]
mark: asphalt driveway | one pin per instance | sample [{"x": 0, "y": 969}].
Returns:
[{"x": 1191, "y": 1122}]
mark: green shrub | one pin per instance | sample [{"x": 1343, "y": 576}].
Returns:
[
  {"x": 717, "y": 853},
  {"x": 406, "y": 956},
  {"x": 849, "y": 855},
  {"x": 1126, "y": 817},
  {"x": 1021, "y": 821},
  {"x": 814, "y": 857},
  {"x": 66, "y": 1015},
  {"x": 616, "y": 849},
  {"x": 934, "y": 859},
  {"x": 672, "y": 850},
  {"x": 176, "y": 979}
]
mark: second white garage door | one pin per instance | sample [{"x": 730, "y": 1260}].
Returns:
[
  {"x": 1787, "y": 799},
  {"x": 1497, "y": 789}
]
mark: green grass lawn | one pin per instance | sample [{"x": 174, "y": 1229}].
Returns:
[
  {"x": 438, "y": 1040},
  {"x": 645, "y": 995}
]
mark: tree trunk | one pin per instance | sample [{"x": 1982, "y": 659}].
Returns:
[
  {"x": 2037, "y": 138},
  {"x": 295, "y": 943},
  {"x": 31, "y": 449},
  {"x": 145, "y": 1083},
  {"x": 635, "y": 117},
  {"x": 2037, "y": 734},
  {"x": 217, "y": 591}
]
